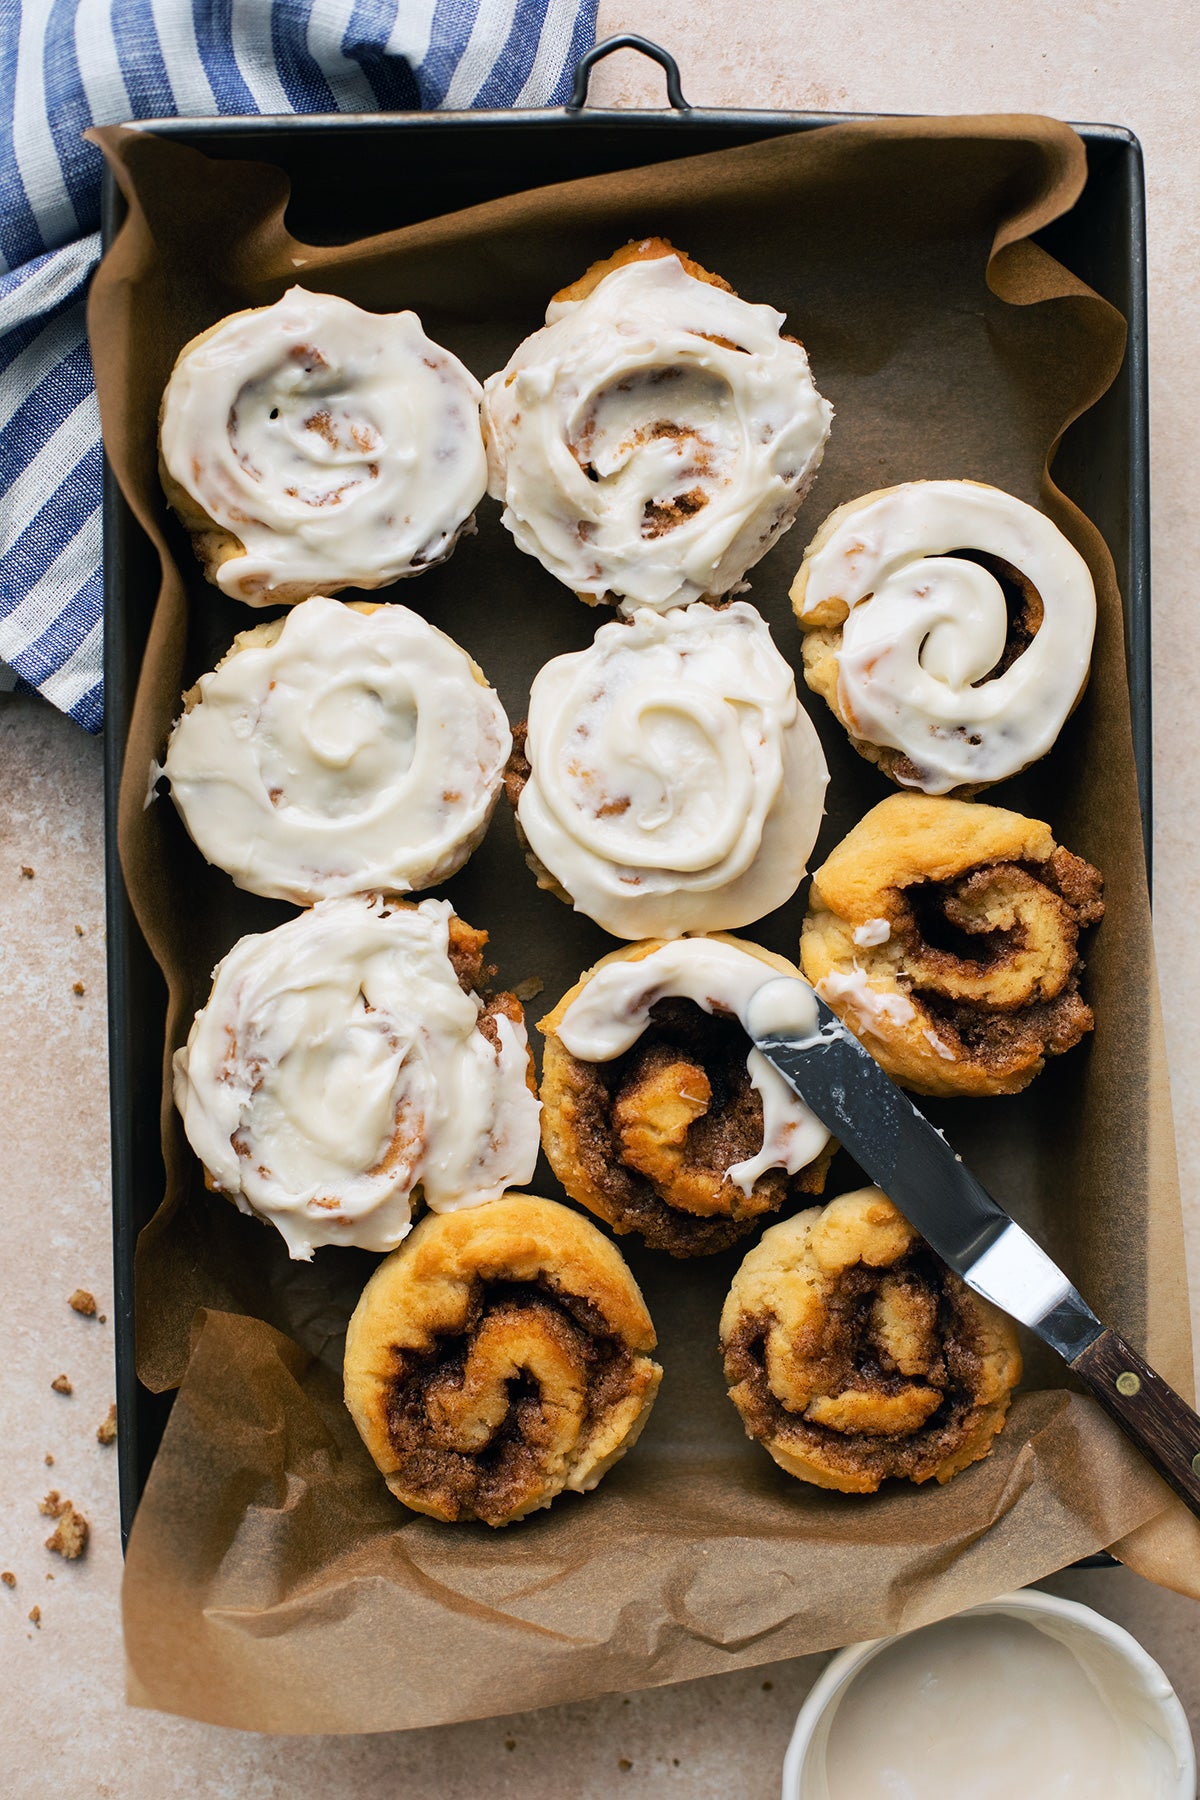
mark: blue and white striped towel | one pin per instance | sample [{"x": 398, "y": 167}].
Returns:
[{"x": 67, "y": 64}]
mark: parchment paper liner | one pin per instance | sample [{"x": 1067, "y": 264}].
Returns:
[{"x": 271, "y": 1581}]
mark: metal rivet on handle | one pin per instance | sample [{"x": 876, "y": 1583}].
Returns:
[
  {"x": 1128, "y": 1383},
  {"x": 1196, "y": 1463}
]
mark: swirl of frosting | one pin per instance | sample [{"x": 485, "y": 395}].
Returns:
[
  {"x": 658, "y": 434},
  {"x": 343, "y": 1063},
  {"x": 340, "y": 749},
  {"x": 949, "y": 628},
  {"x": 676, "y": 784},
  {"x": 498, "y": 1358},
  {"x": 310, "y": 446},
  {"x": 854, "y": 1355},
  {"x": 658, "y": 1114}
]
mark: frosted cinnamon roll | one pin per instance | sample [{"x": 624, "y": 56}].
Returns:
[
  {"x": 945, "y": 934},
  {"x": 499, "y": 1357},
  {"x": 854, "y": 1355},
  {"x": 670, "y": 780},
  {"x": 340, "y": 749},
  {"x": 949, "y": 627},
  {"x": 345, "y": 1066},
  {"x": 310, "y": 446},
  {"x": 657, "y": 436},
  {"x": 658, "y": 1113}
]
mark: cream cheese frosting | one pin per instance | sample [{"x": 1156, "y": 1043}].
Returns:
[
  {"x": 337, "y": 447},
  {"x": 923, "y": 629},
  {"x": 676, "y": 782},
  {"x": 338, "y": 1067},
  {"x": 654, "y": 439},
  {"x": 338, "y": 750},
  {"x": 610, "y": 1014}
]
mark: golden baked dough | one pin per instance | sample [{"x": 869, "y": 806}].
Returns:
[
  {"x": 854, "y": 1355},
  {"x": 637, "y": 250},
  {"x": 945, "y": 934},
  {"x": 648, "y": 1140},
  {"x": 498, "y": 1357}
]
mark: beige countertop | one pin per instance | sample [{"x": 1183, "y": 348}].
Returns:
[{"x": 64, "y": 1726}]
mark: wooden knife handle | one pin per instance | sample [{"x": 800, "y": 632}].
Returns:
[{"x": 1163, "y": 1426}]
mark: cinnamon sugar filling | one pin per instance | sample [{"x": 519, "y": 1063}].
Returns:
[
  {"x": 480, "y": 1446},
  {"x": 855, "y": 1375},
  {"x": 655, "y": 1131},
  {"x": 992, "y": 957}
]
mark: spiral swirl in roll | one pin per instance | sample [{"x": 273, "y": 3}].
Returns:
[
  {"x": 341, "y": 749},
  {"x": 344, "y": 1066},
  {"x": 673, "y": 782},
  {"x": 499, "y": 1357},
  {"x": 949, "y": 627},
  {"x": 310, "y": 446},
  {"x": 945, "y": 933},
  {"x": 854, "y": 1355},
  {"x": 654, "y": 439},
  {"x": 658, "y": 1113}
]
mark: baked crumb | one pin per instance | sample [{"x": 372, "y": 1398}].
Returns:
[
  {"x": 35, "y": 1615},
  {"x": 82, "y": 1302},
  {"x": 624, "y": 1764},
  {"x": 103, "y": 1318},
  {"x": 52, "y": 1505},
  {"x": 106, "y": 1431},
  {"x": 61, "y": 1385},
  {"x": 530, "y": 988},
  {"x": 49, "y": 1459},
  {"x": 79, "y": 931},
  {"x": 8, "y": 1578},
  {"x": 70, "y": 1535},
  {"x": 26, "y": 871},
  {"x": 77, "y": 987}
]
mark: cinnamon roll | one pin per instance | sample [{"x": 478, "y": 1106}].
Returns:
[
  {"x": 949, "y": 627},
  {"x": 854, "y": 1354},
  {"x": 945, "y": 934},
  {"x": 340, "y": 749},
  {"x": 657, "y": 436},
  {"x": 345, "y": 1067},
  {"x": 670, "y": 780},
  {"x": 658, "y": 1114},
  {"x": 310, "y": 446},
  {"x": 499, "y": 1357}
]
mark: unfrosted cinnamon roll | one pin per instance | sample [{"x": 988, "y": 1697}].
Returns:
[
  {"x": 499, "y": 1357},
  {"x": 949, "y": 627},
  {"x": 657, "y": 436},
  {"x": 310, "y": 446},
  {"x": 658, "y": 1113},
  {"x": 855, "y": 1355},
  {"x": 945, "y": 933},
  {"x": 345, "y": 1067},
  {"x": 339, "y": 750},
  {"x": 670, "y": 780}
]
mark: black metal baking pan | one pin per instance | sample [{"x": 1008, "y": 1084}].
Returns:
[{"x": 424, "y": 164}]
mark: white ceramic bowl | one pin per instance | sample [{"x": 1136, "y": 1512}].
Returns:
[{"x": 1114, "y": 1658}]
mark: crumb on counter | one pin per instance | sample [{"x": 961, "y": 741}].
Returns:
[
  {"x": 35, "y": 1615},
  {"x": 77, "y": 987},
  {"x": 530, "y": 988},
  {"x": 70, "y": 1535},
  {"x": 52, "y": 1505},
  {"x": 8, "y": 1578},
  {"x": 27, "y": 872},
  {"x": 79, "y": 931},
  {"x": 49, "y": 1459},
  {"x": 624, "y": 1764},
  {"x": 82, "y": 1302},
  {"x": 106, "y": 1431},
  {"x": 61, "y": 1385}
]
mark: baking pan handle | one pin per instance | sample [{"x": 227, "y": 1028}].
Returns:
[{"x": 627, "y": 40}]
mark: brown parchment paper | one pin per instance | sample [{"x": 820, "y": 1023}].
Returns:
[{"x": 272, "y": 1583}]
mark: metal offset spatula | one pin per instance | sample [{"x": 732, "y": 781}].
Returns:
[{"x": 911, "y": 1161}]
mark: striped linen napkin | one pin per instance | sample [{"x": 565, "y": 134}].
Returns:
[{"x": 67, "y": 64}]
